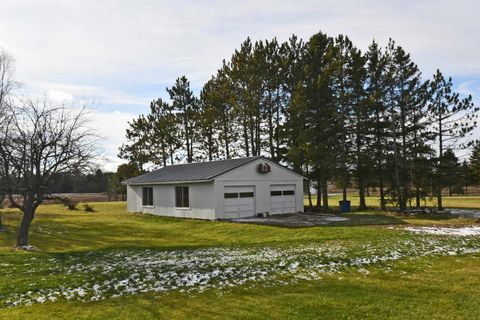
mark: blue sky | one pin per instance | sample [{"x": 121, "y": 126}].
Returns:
[{"x": 119, "y": 55}]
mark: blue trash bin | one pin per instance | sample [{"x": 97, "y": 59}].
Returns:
[{"x": 344, "y": 206}]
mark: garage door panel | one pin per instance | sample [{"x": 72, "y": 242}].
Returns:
[
  {"x": 239, "y": 201},
  {"x": 283, "y": 199}
]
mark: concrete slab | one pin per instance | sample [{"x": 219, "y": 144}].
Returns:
[{"x": 293, "y": 220}]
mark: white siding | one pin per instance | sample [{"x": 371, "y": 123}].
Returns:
[
  {"x": 201, "y": 201},
  {"x": 248, "y": 175}
]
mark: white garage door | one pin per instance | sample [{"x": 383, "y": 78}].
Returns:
[
  {"x": 283, "y": 198},
  {"x": 239, "y": 201}
]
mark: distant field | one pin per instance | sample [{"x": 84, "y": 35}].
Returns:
[
  {"x": 472, "y": 202},
  {"x": 113, "y": 265}
]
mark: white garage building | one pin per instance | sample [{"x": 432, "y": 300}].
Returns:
[{"x": 223, "y": 189}]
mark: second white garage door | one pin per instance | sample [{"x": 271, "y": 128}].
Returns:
[
  {"x": 283, "y": 198},
  {"x": 239, "y": 201}
]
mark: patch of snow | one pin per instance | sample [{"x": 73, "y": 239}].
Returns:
[
  {"x": 465, "y": 213},
  {"x": 117, "y": 273},
  {"x": 335, "y": 219},
  {"x": 463, "y": 231}
]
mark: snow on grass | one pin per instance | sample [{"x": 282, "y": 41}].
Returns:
[
  {"x": 94, "y": 276},
  {"x": 464, "y": 231},
  {"x": 465, "y": 213}
]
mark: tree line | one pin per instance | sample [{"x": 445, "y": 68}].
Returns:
[{"x": 325, "y": 108}]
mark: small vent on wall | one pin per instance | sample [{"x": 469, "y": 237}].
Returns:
[{"x": 264, "y": 168}]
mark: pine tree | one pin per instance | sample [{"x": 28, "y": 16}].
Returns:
[
  {"x": 185, "y": 106},
  {"x": 344, "y": 96},
  {"x": 207, "y": 126},
  {"x": 450, "y": 171},
  {"x": 217, "y": 94},
  {"x": 361, "y": 116},
  {"x": 467, "y": 176},
  {"x": 162, "y": 133},
  {"x": 376, "y": 91},
  {"x": 314, "y": 101},
  {"x": 475, "y": 162},
  {"x": 405, "y": 100},
  {"x": 137, "y": 150},
  {"x": 453, "y": 118}
]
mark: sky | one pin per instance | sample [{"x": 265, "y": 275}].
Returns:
[{"x": 116, "y": 56}]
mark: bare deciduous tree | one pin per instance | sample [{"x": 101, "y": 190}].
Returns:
[
  {"x": 6, "y": 86},
  {"x": 40, "y": 140}
]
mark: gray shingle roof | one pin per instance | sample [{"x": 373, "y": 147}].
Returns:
[{"x": 200, "y": 171}]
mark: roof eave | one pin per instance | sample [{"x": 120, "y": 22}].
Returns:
[{"x": 164, "y": 182}]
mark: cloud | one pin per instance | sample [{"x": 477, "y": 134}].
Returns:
[
  {"x": 59, "y": 96},
  {"x": 110, "y": 126},
  {"x": 88, "y": 94}
]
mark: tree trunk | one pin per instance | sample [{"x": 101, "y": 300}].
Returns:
[
  {"x": 2, "y": 198},
  {"x": 245, "y": 138},
  {"x": 417, "y": 197},
  {"x": 22, "y": 235},
  {"x": 325, "y": 195},
  {"x": 440, "y": 152},
  {"x": 361, "y": 193},
  {"x": 382, "y": 196},
  {"x": 308, "y": 192},
  {"x": 319, "y": 194},
  {"x": 439, "y": 199},
  {"x": 308, "y": 188},
  {"x": 450, "y": 193}
]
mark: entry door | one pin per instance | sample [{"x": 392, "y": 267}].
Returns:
[
  {"x": 283, "y": 199},
  {"x": 239, "y": 201}
]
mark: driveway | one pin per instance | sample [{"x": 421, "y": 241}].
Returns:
[{"x": 293, "y": 220}]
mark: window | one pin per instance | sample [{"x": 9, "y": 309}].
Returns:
[
  {"x": 230, "y": 195},
  {"x": 288, "y": 192},
  {"x": 181, "y": 197},
  {"x": 147, "y": 198},
  {"x": 246, "y": 194},
  {"x": 275, "y": 193}
]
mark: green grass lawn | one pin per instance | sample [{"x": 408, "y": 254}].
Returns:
[
  {"x": 366, "y": 267},
  {"x": 467, "y": 202}
]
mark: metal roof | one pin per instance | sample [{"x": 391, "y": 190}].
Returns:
[{"x": 191, "y": 172}]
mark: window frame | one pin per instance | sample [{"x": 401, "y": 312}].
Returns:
[
  {"x": 246, "y": 194},
  {"x": 229, "y": 195},
  {"x": 275, "y": 193},
  {"x": 147, "y": 197},
  {"x": 184, "y": 196}
]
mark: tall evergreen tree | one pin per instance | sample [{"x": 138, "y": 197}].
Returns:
[
  {"x": 217, "y": 94},
  {"x": 453, "y": 118},
  {"x": 207, "y": 126},
  {"x": 314, "y": 101},
  {"x": 376, "y": 92},
  {"x": 405, "y": 101},
  {"x": 475, "y": 162},
  {"x": 361, "y": 116},
  {"x": 162, "y": 136},
  {"x": 138, "y": 148},
  {"x": 467, "y": 176},
  {"x": 185, "y": 106},
  {"x": 344, "y": 98}
]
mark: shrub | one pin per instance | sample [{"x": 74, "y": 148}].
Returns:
[
  {"x": 88, "y": 208},
  {"x": 70, "y": 204}
]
